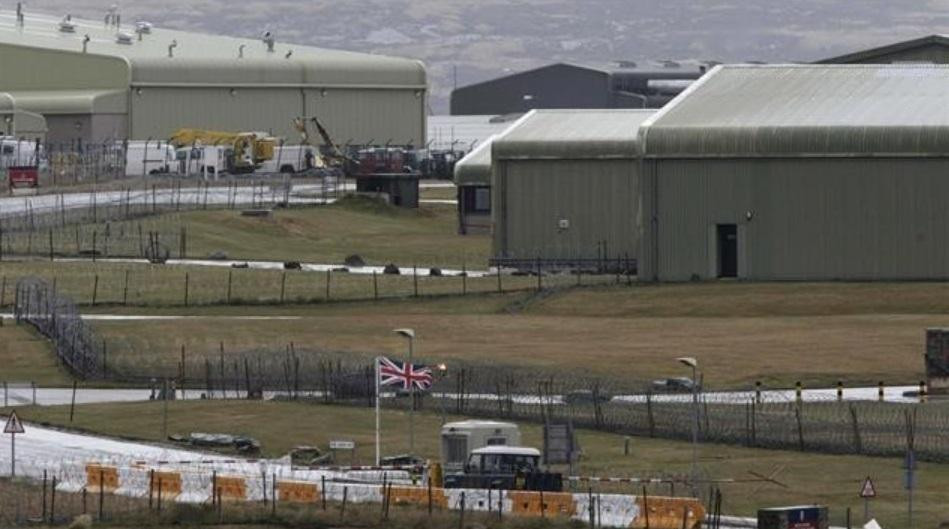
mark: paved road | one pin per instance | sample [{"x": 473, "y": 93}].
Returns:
[{"x": 279, "y": 265}]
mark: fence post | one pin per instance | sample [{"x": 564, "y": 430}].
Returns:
[
  {"x": 283, "y": 286},
  {"x": 880, "y": 391},
  {"x": 125, "y": 289},
  {"x": 500, "y": 289},
  {"x": 95, "y": 289},
  {"x": 186, "y": 289},
  {"x": 51, "y": 244},
  {"x": 230, "y": 277},
  {"x": 52, "y": 502},
  {"x": 101, "y": 492},
  {"x": 415, "y": 279},
  {"x": 94, "y": 234},
  {"x": 328, "y": 273},
  {"x": 375, "y": 286}
]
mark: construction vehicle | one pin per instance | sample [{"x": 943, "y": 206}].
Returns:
[
  {"x": 247, "y": 150},
  {"x": 331, "y": 155}
]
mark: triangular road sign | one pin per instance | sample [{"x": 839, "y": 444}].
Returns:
[
  {"x": 13, "y": 425},
  {"x": 868, "y": 490}
]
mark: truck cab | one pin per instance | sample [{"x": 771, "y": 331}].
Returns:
[{"x": 504, "y": 467}]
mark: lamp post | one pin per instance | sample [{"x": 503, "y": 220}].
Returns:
[
  {"x": 442, "y": 371},
  {"x": 691, "y": 362},
  {"x": 409, "y": 334}
]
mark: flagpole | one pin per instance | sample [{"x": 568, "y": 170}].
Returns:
[{"x": 376, "y": 369}]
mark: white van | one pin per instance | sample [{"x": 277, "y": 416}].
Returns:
[
  {"x": 144, "y": 158},
  {"x": 205, "y": 162},
  {"x": 16, "y": 152},
  {"x": 292, "y": 159}
]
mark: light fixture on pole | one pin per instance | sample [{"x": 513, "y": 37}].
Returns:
[
  {"x": 692, "y": 363},
  {"x": 409, "y": 334}
]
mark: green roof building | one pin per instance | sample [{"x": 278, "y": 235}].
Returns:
[{"x": 96, "y": 81}]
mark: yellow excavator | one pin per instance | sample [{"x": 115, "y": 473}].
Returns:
[
  {"x": 247, "y": 150},
  {"x": 335, "y": 158}
]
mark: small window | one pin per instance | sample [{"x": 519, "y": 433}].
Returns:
[
  {"x": 497, "y": 441},
  {"x": 482, "y": 199},
  {"x": 8, "y": 149}
]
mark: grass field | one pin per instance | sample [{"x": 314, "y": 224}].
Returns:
[
  {"x": 379, "y": 233},
  {"x": 829, "y": 479},
  {"x": 25, "y": 356},
  {"x": 740, "y": 332}
]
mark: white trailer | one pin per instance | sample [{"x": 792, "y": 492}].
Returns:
[
  {"x": 143, "y": 158},
  {"x": 460, "y": 439}
]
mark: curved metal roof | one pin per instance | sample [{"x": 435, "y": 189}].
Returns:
[
  {"x": 573, "y": 134},
  {"x": 475, "y": 167},
  {"x": 211, "y": 59},
  {"x": 806, "y": 110}
]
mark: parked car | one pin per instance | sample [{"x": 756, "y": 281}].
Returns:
[{"x": 673, "y": 385}]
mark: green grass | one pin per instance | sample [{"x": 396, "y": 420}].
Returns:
[
  {"x": 379, "y": 233},
  {"x": 829, "y": 479},
  {"x": 25, "y": 356},
  {"x": 816, "y": 333},
  {"x": 104, "y": 283}
]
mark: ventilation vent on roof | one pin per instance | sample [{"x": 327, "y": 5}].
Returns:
[
  {"x": 269, "y": 39},
  {"x": 67, "y": 25},
  {"x": 670, "y": 64},
  {"x": 124, "y": 37},
  {"x": 143, "y": 27},
  {"x": 626, "y": 64}
]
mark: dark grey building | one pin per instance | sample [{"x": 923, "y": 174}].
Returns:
[
  {"x": 563, "y": 86},
  {"x": 930, "y": 49}
]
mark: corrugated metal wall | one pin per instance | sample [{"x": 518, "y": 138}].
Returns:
[
  {"x": 379, "y": 115},
  {"x": 349, "y": 114},
  {"x": 599, "y": 199},
  {"x": 810, "y": 218}
]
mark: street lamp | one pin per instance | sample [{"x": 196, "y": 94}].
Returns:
[
  {"x": 691, "y": 362},
  {"x": 409, "y": 334}
]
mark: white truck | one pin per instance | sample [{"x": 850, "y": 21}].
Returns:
[
  {"x": 460, "y": 439},
  {"x": 203, "y": 161},
  {"x": 19, "y": 153},
  {"x": 143, "y": 158},
  {"x": 291, "y": 159}
]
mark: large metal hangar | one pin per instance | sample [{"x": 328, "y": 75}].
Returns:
[
  {"x": 800, "y": 172},
  {"x": 96, "y": 81},
  {"x": 566, "y": 189}
]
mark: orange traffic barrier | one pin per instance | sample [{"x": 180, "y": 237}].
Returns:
[
  {"x": 668, "y": 513},
  {"x": 417, "y": 496},
  {"x": 298, "y": 492},
  {"x": 231, "y": 488},
  {"x": 554, "y": 503},
  {"x": 101, "y": 477},
  {"x": 170, "y": 483}
]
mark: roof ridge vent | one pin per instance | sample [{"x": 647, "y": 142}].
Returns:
[
  {"x": 143, "y": 27},
  {"x": 269, "y": 39},
  {"x": 66, "y": 25},
  {"x": 124, "y": 37}
]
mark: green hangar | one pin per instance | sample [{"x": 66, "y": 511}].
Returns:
[
  {"x": 566, "y": 188},
  {"x": 95, "y": 81},
  {"x": 800, "y": 172},
  {"x": 758, "y": 172}
]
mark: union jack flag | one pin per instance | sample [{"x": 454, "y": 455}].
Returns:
[{"x": 393, "y": 373}]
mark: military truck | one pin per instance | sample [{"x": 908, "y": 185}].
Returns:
[{"x": 504, "y": 467}]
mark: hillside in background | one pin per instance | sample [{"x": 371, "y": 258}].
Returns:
[{"x": 464, "y": 42}]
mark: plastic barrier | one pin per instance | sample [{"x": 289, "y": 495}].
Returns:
[
  {"x": 554, "y": 503},
  {"x": 167, "y": 482},
  {"x": 418, "y": 496},
  {"x": 231, "y": 488},
  {"x": 298, "y": 491},
  {"x": 667, "y": 513},
  {"x": 101, "y": 477}
]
